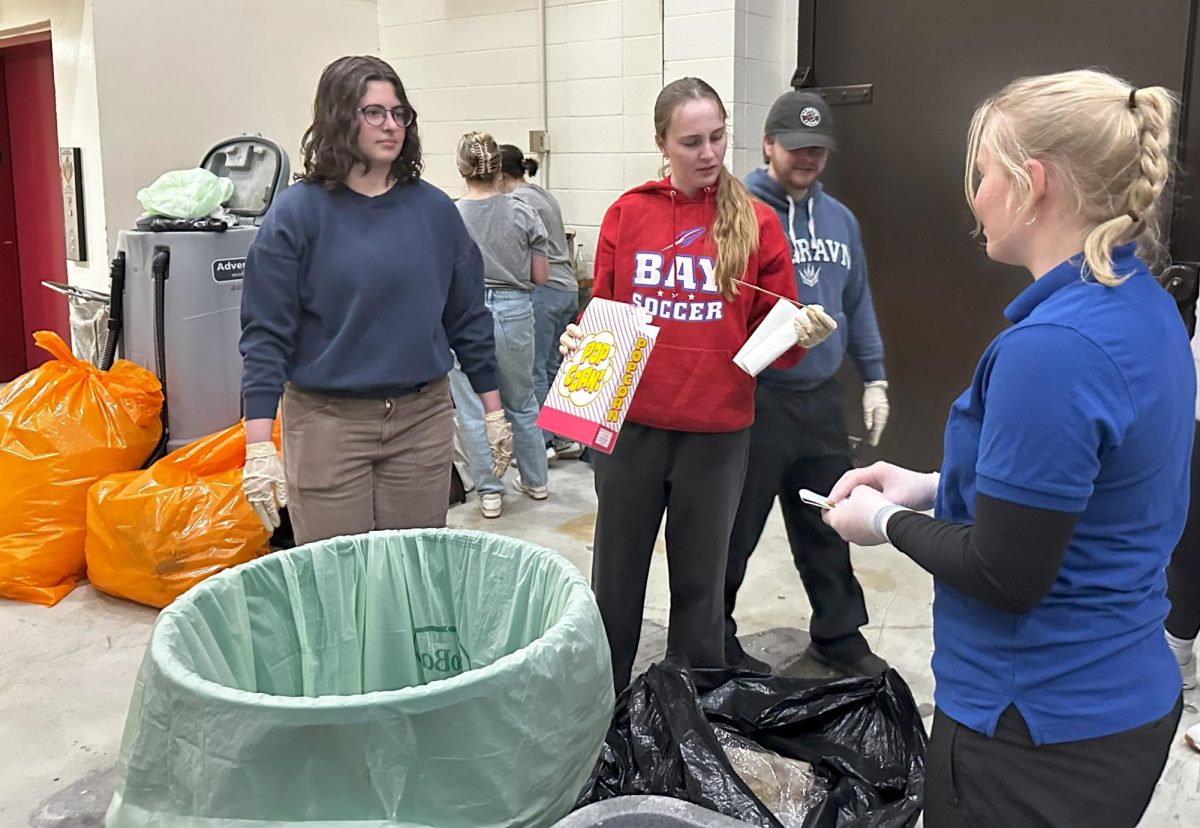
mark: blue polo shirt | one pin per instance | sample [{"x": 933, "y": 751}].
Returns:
[{"x": 1084, "y": 405}]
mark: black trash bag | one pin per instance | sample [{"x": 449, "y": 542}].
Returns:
[{"x": 863, "y": 737}]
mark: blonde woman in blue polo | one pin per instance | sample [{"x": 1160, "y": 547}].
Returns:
[{"x": 1064, "y": 483}]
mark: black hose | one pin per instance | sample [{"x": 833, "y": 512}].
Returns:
[
  {"x": 116, "y": 310},
  {"x": 160, "y": 267}
]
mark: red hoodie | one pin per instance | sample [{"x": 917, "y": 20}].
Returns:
[{"x": 656, "y": 250}]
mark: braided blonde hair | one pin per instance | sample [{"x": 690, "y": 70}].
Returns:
[
  {"x": 478, "y": 157},
  {"x": 1107, "y": 141}
]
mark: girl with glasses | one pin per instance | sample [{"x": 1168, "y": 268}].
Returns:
[{"x": 360, "y": 287}]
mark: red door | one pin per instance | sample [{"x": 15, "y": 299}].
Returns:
[
  {"x": 37, "y": 192},
  {"x": 12, "y": 325}
]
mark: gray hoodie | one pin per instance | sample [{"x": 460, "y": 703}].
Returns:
[{"x": 831, "y": 271}]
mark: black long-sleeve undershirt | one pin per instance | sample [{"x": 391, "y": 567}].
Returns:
[{"x": 1008, "y": 559}]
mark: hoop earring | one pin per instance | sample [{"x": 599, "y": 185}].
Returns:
[{"x": 1032, "y": 220}]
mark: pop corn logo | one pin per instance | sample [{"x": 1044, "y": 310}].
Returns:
[{"x": 588, "y": 369}]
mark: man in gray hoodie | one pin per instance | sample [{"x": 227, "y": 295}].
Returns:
[{"x": 799, "y": 439}]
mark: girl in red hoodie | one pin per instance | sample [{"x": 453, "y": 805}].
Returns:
[{"x": 688, "y": 249}]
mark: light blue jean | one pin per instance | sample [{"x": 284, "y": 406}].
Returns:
[
  {"x": 553, "y": 310},
  {"x": 512, "y": 318}
]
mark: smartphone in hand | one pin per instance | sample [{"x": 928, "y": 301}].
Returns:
[{"x": 814, "y": 499}]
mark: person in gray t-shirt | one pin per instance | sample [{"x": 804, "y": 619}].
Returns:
[
  {"x": 556, "y": 303},
  {"x": 512, "y": 240}
]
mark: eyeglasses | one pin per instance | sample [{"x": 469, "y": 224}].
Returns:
[{"x": 377, "y": 115}]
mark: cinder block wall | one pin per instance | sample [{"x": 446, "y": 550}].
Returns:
[{"x": 477, "y": 65}]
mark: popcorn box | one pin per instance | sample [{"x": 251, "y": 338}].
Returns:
[{"x": 593, "y": 388}]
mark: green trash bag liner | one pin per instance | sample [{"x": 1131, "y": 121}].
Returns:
[
  {"x": 193, "y": 193},
  {"x": 408, "y": 678}
]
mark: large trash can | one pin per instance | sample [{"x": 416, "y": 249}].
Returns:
[{"x": 419, "y": 678}]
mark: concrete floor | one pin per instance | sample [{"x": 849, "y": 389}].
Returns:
[{"x": 66, "y": 673}]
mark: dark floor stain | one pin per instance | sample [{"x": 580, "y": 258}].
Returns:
[
  {"x": 875, "y": 580},
  {"x": 582, "y": 527}
]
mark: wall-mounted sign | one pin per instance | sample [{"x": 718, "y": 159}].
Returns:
[{"x": 70, "y": 165}]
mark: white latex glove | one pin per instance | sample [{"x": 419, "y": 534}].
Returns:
[
  {"x": 862, "y": 517},
  {"x": 500, "y": 441},
  {"x": 910, "y": 489},
  {"x": 875, "y": 409},
  {"x": 568, "y": 343},
  {"x": 813, "y": 326},
  {"x": 263, "y": 483}
]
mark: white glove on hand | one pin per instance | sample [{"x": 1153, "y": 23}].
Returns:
[
  {"x": 862, "y": 517},
  {"x": 910, "y": 489},
  {"x": 263, "y": 483},
  {"x": 500, "y": 441},
  {"x": 568, "y": 343},
  {"x": 813, "y": 326},
  {"x": 875, "y": 409}
]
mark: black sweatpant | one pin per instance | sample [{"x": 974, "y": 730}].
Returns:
[
  {"x": 972, "y": 781},
  {"x": 696, "y": 479},
  {"x": 1183, "y": 575},
  {"x": 798, "y": 440}
]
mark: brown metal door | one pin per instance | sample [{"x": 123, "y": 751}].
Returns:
[{"x": 900, "y": 165}]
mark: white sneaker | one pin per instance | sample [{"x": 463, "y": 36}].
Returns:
[
  {"x": 491, "y": 504},
  {"x": 536, "y": 492},
  {"x": 551, "y": 455},
  {"x": 1188, "y": 671},
  {"x": 1192, "y": 737},
  {"x": 568, "y": 449}
]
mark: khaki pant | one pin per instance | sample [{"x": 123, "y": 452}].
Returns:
[{"x": 354, "y": 465}]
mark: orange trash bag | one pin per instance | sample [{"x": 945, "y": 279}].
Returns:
[
  {"x": 154, "y": 534},
  {"x": 63, "y": 426}
]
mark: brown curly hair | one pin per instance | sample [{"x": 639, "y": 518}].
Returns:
[{"x": 330, "y": 144}]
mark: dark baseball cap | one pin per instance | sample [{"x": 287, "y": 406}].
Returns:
[{"x": 800, "y": 119}]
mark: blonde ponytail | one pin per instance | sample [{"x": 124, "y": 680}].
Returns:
[
  {"x": 1107, "y": 142},
  {"x": 1153, "y": 111},
  {"x": 735, "y": 231}
]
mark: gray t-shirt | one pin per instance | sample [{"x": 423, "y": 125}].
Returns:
[
  {"x": 508, "y": 233},
  {"x": 562, "y": 276}
]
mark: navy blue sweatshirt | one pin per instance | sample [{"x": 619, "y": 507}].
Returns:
[
  {"x": 349, "y": 295},
  {"x": 831, "y": 271}
]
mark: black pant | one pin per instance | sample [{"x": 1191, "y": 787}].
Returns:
[
  {"x": 798, "y": 440},
  {"x": 976, "y": 782},
  {"x": 1183, "y": 575},
  {"x": 696, "y": 479}
]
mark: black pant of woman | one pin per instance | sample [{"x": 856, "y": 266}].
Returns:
[
  {"x": 1183, "y": 575},
  {"x": 697, "y": 480},
  {"x": 1006, "y": 781}
]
